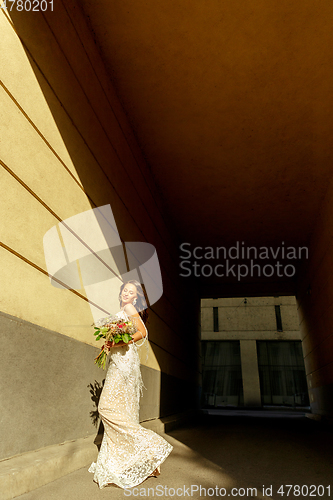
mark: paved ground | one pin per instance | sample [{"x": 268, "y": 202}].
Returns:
[{"x": 226, "y": 451}]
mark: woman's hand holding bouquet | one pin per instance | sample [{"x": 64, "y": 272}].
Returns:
[{"x": 113, "y": 330}]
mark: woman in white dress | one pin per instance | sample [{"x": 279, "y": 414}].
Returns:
[{"x": 129, "y": 453}]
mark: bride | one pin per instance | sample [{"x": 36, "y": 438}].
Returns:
[{"x": 129, "y": 453}]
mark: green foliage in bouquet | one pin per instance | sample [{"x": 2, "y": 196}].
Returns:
[{"x": 112, "y": 329}]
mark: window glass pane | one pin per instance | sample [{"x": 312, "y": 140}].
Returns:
[
  {"x": 222, "y": 374},
  {"x": 282, "y": 373}
]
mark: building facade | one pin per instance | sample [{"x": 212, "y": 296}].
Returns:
[{"x": 252, "y": 352}]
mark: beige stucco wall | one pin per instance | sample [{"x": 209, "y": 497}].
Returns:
[{"x": 67, "y": 147}]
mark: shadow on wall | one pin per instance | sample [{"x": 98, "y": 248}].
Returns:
[{"x": 95, "y": 391}]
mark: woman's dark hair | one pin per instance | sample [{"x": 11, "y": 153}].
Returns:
[{"x": 141, "y": 303}]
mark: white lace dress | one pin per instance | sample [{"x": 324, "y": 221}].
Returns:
[{"x": 129, "y": 453}]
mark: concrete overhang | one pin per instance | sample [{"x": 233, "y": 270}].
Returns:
[{"x": 232, "y": 106}]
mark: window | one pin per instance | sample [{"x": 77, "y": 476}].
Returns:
[
  {"x": 221, "y": 374},
  {"x": 216, "y": 318},
  {"x": 282, "y": 373},
  {"x": 278, "y": 319}
]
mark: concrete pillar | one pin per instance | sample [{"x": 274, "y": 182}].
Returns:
[
  {"x": 250, "y": 373},
  {"x": 315, "y": 307}
]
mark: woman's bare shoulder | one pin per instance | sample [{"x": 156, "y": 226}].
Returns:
[{"x": 130, "y": 310}]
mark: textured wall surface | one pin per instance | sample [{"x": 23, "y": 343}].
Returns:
[
  {"x": 67, "y": 147},
  {"x": 46, "y": 383}
]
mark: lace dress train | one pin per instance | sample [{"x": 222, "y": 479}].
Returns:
[{"x": 129, "y": 453}]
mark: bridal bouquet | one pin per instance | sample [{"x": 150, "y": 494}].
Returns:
[{"x": 111, "y": 329}]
